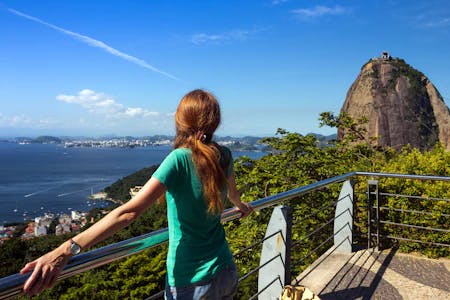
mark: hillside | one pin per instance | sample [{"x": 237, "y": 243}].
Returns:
[{"x": 401, "y": 105}]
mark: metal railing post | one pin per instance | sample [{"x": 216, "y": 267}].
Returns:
[
  {"x": 377, "y": 198},
  {"x": 372, "y": 191},
  {"x": 369, "y": 215},
  {"x": 287, "y": 268},
  {"x": 11, "y": 286}
]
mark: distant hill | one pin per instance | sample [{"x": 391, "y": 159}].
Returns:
[
  {"x": 401, "y": 104},
  {"x": 120, "y": 190},
  {"x": 47, "y": 139},
  {"x": 321, "y": 137},
  {"x": 246, "y": 143}
]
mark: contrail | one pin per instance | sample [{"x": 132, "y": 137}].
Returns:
[
  {"x": 95, "y": 43},
  {"x": 38, "y": 192},
  {"x": 78, "y": 191},
  {"x": 73, "y": 192}
]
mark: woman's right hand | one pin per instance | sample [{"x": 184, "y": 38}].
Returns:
[{"x": 45, "y": 270}]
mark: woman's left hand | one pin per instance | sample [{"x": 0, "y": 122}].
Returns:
[{"x": 244, "y": 208}]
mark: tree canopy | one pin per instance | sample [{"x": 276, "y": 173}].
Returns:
[{"x": 294, "y": 160}]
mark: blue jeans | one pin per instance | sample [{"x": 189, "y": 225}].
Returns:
[{"x": 222, "y": 286}]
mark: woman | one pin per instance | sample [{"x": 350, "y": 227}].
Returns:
[{"x": 197, "y": 177}]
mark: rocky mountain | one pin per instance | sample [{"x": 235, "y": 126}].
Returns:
[{"x": 401, "y": 104}]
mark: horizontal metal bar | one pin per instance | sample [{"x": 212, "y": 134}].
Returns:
[
  {"x": 319, "y": 210},
  {"x": 417, "y": 241},
  {"x": 257, "y": 243},
  {"x": 12, "y": 285},
  {"x": 159, "y": 295},
  {"x": 297, "y": 242},
  {"x": 415, "y": 197},
  {"x": 401, "y": 176},
  {"x": 420, "y": 212},
  {"x": 288, "y": 195},
  {"x": 266, "y": 287},
  {"x": 323, "y": 243},
  {"x": 261, "y": 266},
  {"x": 318, "y": 229},
  {"x": 415, "y": 226}
]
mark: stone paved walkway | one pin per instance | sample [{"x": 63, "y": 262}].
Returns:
[{"x": 369, "y": 274}]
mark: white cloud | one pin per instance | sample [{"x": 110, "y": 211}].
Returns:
[
  {"x": 425, "y": 14},
  {"x": 443, "y": 22},
  {"x": 20, "y": 121},
  {"x": 95, "y": 43},
  {"x": 100, "y": 103},
  {"x": 318, "y": 11},
  {"x": 276, "y": 2},
  {"x": 137, "y": 111},
  {"x": 106, "y": 115},
  {"x": 237, "y": 34}
]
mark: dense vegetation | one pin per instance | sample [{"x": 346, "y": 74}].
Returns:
[
  {"x": 47, "y": 139},
  {"x": 295, "y": 160},
  {"x": 120, "y": 190}
]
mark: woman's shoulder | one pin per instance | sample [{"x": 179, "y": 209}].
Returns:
[
  {"x": 179, "y": 154},
  {"x": 225, "y": 156},
  {"x": 181, "y": 151},
  {"x": 223, "y": 149}
]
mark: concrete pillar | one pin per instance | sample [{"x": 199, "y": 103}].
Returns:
[
  {"x": 275, "y": 255},
  {"x": 343, "y": 222}
]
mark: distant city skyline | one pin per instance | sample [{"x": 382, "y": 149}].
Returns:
[{"x": 78, "y": 68}]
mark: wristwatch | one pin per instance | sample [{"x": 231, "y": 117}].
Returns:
[{"x": 74, "y": 248}]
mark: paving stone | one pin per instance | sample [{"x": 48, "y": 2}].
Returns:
[
  {"x": 427, "y": 271},
  {"x": 370, "y": 274},
  {"x": 355, "y": 282}
]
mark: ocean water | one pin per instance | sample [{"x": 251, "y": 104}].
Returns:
[{"x": 39, "y": 178}]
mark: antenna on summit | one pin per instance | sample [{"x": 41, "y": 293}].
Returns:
[{"x": 385, "y": 56}]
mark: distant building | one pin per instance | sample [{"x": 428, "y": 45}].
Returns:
[
  {"x": 58, "y": 229},
  {"x": 43, "y": 221},
  {"x": 40, "y": 230},
  {"x": 76, "y": 215},
  {"x": 74, "y": 227},
  {"x": 65, "y": 219},
  {"x": 62, "y": 228},
  {"x": 6, "y": 232},
  {"x": 385, "y": 56},
  {"x": 30, "y": 228},
  {"x": 135, "y": 190}
]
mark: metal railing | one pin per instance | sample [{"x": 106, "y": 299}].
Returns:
[
  {"x": 388, "y": 229},
  {"x": 12, "y": 285}
]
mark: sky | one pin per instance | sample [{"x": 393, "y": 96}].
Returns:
[{"x": 95, "y": 68}]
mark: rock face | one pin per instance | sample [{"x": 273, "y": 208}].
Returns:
[{"x": 402, "y": 106}]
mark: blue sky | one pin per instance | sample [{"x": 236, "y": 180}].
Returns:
[{"x": 120, "y": 67}]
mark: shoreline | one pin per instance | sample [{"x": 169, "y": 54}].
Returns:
[{"x": 103, "y": 196}]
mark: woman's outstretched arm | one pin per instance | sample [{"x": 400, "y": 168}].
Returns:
[
  {"x": 47, "y": 267},
  {"x": 235, "y": 197}
]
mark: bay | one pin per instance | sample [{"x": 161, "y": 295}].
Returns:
[{"x": 40, "y": 178}]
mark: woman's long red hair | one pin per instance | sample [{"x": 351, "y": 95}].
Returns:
[{"x": 196, "y": 119}]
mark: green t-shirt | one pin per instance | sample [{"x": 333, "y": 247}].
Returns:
[{"x": 197, "y": 244}]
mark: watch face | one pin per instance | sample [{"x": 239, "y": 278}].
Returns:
[{"x": 74, "y": 248}]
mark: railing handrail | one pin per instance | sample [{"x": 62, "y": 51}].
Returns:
[{"x": 12, "y": 285}]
